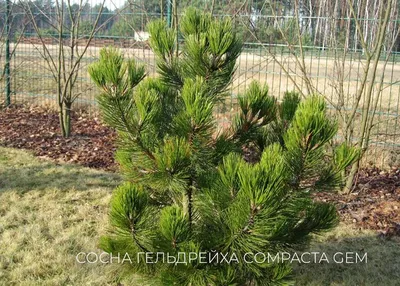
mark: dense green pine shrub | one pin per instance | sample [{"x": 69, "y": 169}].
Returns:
[{"x": 188, "y": 188}]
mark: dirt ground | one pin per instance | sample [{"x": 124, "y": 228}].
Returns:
[{"x": 373, "y": 204}]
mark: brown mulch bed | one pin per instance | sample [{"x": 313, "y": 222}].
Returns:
[
  {"x": 374, "y": 203},
  {"x": 90, "y": 145}
]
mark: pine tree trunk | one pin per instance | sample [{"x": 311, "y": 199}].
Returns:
[
  {"x": 188, "y": 201},
  {"x": 190, "y": 205}
]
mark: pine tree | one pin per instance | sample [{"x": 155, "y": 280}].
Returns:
[{"x": 188, "y": 189}]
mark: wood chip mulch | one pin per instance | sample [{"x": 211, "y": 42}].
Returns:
[
  {"x": 374, "y": 203},
  {"x": 91, "y": 142}
]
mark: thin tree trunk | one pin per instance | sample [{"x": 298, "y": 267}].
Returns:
[
  {"x": 67, "y": 120},
  {"x": 61, "y": 120},
  {"x": 212, "y": 7},
  {"x": 317, "y": 26},
  {"x": 60, "y": 97},
  {"x": 175, "y": 14},
  {"x": 162, "y": 9},
  {"x": 364, "y": 135}
]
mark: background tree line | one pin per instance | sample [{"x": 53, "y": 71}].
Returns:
[{"x": 322, "y": 23}]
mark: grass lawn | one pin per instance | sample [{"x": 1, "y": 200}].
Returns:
[{"x": 50, "y": 212}]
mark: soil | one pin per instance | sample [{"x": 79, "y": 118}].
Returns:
[{"x": 373, "y": 204}]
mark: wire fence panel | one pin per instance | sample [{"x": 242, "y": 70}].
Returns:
[{"x": 314, "y": 47}]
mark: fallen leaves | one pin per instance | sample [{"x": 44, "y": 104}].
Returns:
[{"x": 374, "y": 203}]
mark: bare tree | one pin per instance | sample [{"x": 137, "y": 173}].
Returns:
[
  {"x": 335, "y": 28},
  {"x": 64, "y": 60},
  {"x": 371, "y": 81}
]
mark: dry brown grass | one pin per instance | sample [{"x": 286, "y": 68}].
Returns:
[
  {"x": 382, "y": 267},
  {"x": 50, "y": 213}
]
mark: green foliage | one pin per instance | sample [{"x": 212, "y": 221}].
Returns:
[
  {"x": 210, "y": 51},
  {"x": 288, "y": 106},
  {"x": 85, "y": 28},
  {"x": 190, "y": 190},
  {"x": 257, "y": 110},
  {"x": 125, "y": 27},
  {"x": 49, "y": 33}
]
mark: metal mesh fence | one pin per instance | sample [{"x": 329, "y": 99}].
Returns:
[{"x": 288, "y": 45}]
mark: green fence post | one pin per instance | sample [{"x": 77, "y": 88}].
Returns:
[
  {"x": 7, "y": 65},
  {"x": 169, "y": 13}
]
